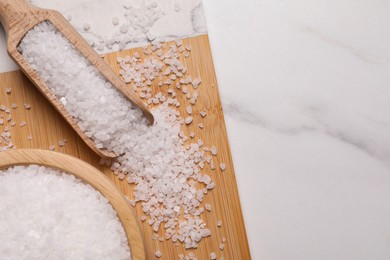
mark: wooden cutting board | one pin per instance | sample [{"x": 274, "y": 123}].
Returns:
[{"x": 45, "y": 127}]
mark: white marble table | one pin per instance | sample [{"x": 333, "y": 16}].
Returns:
[{"x": 305, "y": 87}]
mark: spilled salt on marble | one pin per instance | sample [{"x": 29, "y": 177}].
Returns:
[{"x": 48, "y": 214}]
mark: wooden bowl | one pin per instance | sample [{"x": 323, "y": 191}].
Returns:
[{"x": 89, "y": 175}]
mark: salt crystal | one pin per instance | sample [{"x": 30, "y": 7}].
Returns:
[
  {"x": 87, "y": 27},
  {"x": 219, "y": 223},
  {"x": 189, "y": 110},
  {"x": 221, "y": 246},
  {"x": 203, "y": 113},
  {"x": 222, "y": 166},
  {"x": 8, "y": 90},
  {"x": 176, "y": 7},
  {"x": 51, "y": 147},
  {"x": 27, "y": 106},
  {"x": 207, "y": 207},
  {"x": 124, "y": 28},
  {"x": 188, "y": 120},
  {"x": 201, "y": 125},
  {"x": 213, "y": 256},
  {"x": 158, "y": 254},
  {"x": 213, "y": 150},
  {"x": 23, "y": 123},
  {"x": 115, "y": 20}
]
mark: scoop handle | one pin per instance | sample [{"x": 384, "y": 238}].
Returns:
[{"x": 13, "y": 11}]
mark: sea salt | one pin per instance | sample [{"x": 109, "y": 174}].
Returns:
[
  {"x": 152, "y": 158},
  {"x": 213, "y": 150},
  {"x": 115, "y": 20},
  {"x": 188, "y": 120},
  {"x": 47, "y": 214},
  {"x": 158, "y": 254}
]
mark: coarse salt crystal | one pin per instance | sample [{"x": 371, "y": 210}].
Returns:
[
  {"x": 188, "y": 120},
  {"x": 115, "y": 20},
  {"x": 213, "y": 150},
  {"x": 158, "y": 254},
  {"x": 189, "y": 110}
]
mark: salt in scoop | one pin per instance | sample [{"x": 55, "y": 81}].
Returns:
[{"x": 18, "y": 17}]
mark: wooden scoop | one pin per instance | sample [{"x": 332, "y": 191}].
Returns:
[{"x": 18, "y": 17}]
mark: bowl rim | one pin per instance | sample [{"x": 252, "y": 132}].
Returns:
[{"x": 90, "y": 175}]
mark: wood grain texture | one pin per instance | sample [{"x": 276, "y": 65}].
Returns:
[
  {"x": 47, "y": 127},
  {"x": 89, "y": 175},
  {"x": 18, "y": 17}
]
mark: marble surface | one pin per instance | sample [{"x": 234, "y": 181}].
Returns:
[
  {"x": 305, "y": 87},
  {"x": 166, "y": 19}
]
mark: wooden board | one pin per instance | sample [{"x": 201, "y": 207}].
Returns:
[{"x": 47, "y": 128}]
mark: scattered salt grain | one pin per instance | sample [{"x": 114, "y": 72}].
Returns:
[
  {"x": 201, "y": 125},
  {"x": 1, "y": 122},
  {"x": 189, "y": 110},
  {"x": 212, "y": 166},
  {"x": 213, "y": 150},
  {"x": 221, "y": 246},
  {"x": 14, "y": 106},
  {"x": 27, "y": 106},
  {"x": 176, "y": 7},
  {"x": 213, "y": 256},
  {"x": 207, "y": 207},
  {"x": 196, "y": 82},
  {"x": 52, "y": 147},
  {"x": 158, "y": 254},
  {"x": 219, "y": 223},
  {"x": 222, "y": 166},
  {"x": 87, "y": 27},
  {"x": 23, "y": 123},
  {"x": 115, "y": 20},
  {"x": 188, "y": 120},
  {"x": 57, "y": 217},
  {"x": 8, "y": 90},
  {"x": 203, "y": 113},
  {"x": 124, "y": 28}
]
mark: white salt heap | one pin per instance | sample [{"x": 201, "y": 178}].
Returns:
[
  {"x": 46, "y": 214},
  {"x": 103, "y": 113},
  {"x": 166, "y": 172}
]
